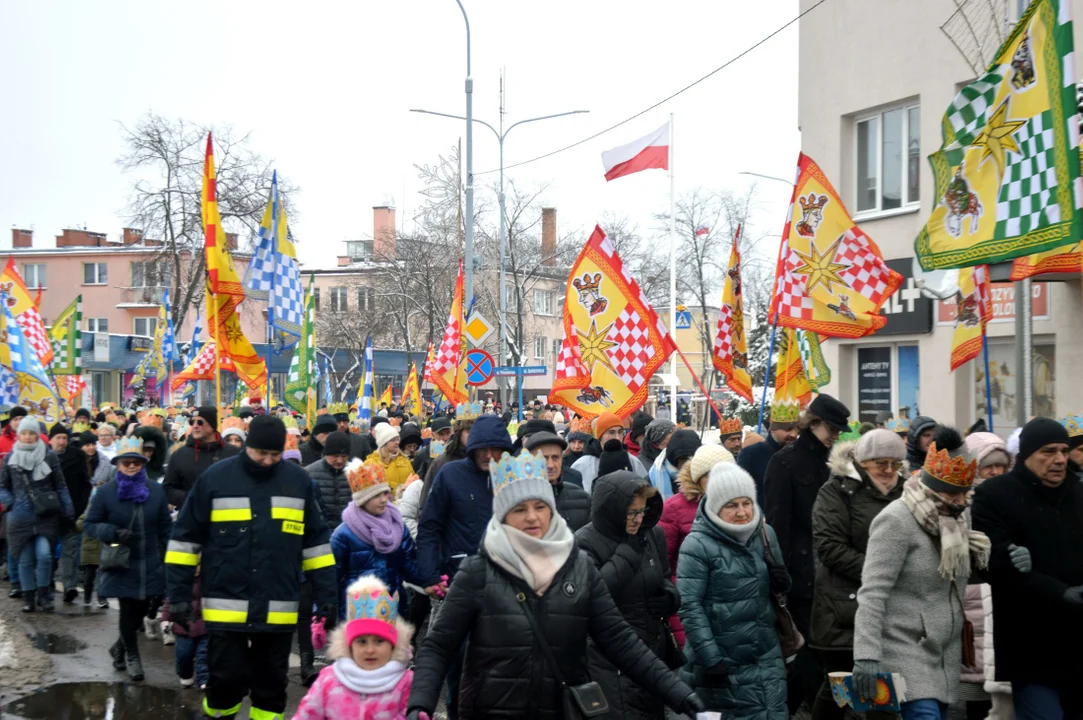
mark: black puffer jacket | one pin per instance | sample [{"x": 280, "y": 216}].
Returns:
[
  {"x": 188, "y": 463},
  {"x": 505, "y": 673},
  {"x": 335, "y": 489},
  {"x": 312, "y": 451},
  {"x": 792, "y": 482},
  {"x": 841, "y": 517},
  {"x": 634, "y": 569},
  {"x": 573, "y": 502}
]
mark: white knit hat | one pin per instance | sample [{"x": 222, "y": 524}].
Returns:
[
  {"x": 706, "y": 457},
  {"x": 726, "y": 482},
  {"x": 384, "y": 434}
]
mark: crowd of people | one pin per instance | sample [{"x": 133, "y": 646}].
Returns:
[{"x": 614, "y": 567}]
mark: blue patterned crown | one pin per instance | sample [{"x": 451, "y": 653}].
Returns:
[
  {"x": 899, "y": 425},
  {"x": 436, "y": 448},
  {"x": 1073, "y": 424},
  {"x": 130, "y": 445},
  {"x": 371, "y": 601},
  {"x": 508, "y": 469},
  {"x": 468, "y": 411}
]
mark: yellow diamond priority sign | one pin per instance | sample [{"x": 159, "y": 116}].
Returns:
[{"x": 478, "y": 329}]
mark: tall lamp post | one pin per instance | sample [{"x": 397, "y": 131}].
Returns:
[
  {"x": 468, "y": 249},
  {"x": 501, "y": 135}
]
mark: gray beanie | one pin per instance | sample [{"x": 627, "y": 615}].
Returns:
[
  {"x": 880, "y": 444},
  {"x": 727, "y": 482},
  {"x": 518, "y": 479},
  {"x": 31, "y": 424}
]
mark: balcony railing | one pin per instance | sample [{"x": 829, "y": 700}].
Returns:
[{"x": 142, "y": 295}]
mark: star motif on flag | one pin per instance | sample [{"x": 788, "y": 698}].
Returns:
[
  {"x": 593, "y": 346},
  {"x": 820, "y": 269},
  {"x": 998, "y": 136}
]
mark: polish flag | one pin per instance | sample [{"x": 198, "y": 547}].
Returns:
[{"x": 646, "y": 153}]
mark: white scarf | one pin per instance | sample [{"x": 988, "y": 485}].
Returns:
[
  {"x": 535, "y": 561},
  {"x": 30, "y": 458},
  {"x": 369, "y": 682},
  {"x": 941, "y": 520}
]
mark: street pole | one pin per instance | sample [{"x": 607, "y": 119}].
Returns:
[{"x": 672, "y": 274}]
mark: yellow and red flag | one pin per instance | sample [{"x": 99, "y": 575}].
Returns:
[
  {"x": 613, "y": 340},
  {"x": 202, "y": 367},
  {"x": 791, "y": 382},
  {"x": 72, "y": 387},
  {"x": 411, "y": 394},
  {"x": 224, "y": 287},
  {"x": 385, "y": 397},
  {"x": 973, "y": 310},
  {"x": 730, "y": 355},
  {"x": 26, "y": 312},
  {"x": 445, "y": 372},
  {"x": 428, "y": 364},
  {"x": 1059, "y": 260},
  {"x": 831, "y": 277}
]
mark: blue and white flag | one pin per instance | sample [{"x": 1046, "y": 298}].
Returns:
[
  {"x": 328, "y": 395},
  {"x": 169, "y": 340},
  {"x": 194, "y": 345},
  {"x": 23, "y": 358},
  {"x": 273, "y": 274},
  {"x": 364, "y": 401}
]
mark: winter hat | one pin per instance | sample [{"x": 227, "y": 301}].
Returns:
[
  {"x": 1036, "y": 434},
  {"x": 210, "y": 414},
  {"x": 683, "y": 444},
  {"x": 59, "y": 429},
  {"x": 409, "y": 434},
  {"x": 28, "y": 423},
  {"x": 371, "y": 610},
  {"x": 535, "y": 425},
  {"x": 880, "y": 444},
  {"x": 706, "y": 457},
  {"x": 378, "y": 420},
  {"x": 544, "y": 438},
  {"x": 640, "y": 422},
  {"x": 657, "y": 430},
  {"x": 726, "y": 482},
  {"x": 948, "y": 466},
  {"x": 234, "y": 431},
  {"x": 517, "y": 479},
  {"x": 266, "y": 432},
  {"x": 606, "y": 421},
  {"x": 384, "y": 434},
  {"x": 82, "y": 412},
  {"x": 366, "y": 480},
  {"x": 87, "y": 438},
  {"x": 613, "y": 458},
  {"x": 440, "y": 423},
  {"x": 579, "y": 436},
  {"x": 831, "y": 411},
  {"x": 988, "y": 449},
  {"x": 325, "y": 423},
  {"x": 336, "y": 443}
]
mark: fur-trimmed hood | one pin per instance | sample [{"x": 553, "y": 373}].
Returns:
[
  {"x": 842, "y": 465},
  {"x": 337, "y": 648},
  {"x": 692, "y": 491}
]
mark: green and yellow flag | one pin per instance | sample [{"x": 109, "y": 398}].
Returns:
[
  {"x": 67, "y": 339},
  {"x": 1008, "y": 169},
  {"x": 300, "y": 392}
]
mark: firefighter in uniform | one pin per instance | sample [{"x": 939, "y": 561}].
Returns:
[{"x": 252, "y": 524}]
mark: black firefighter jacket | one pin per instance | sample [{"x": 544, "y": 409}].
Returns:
[{"x": 257, "y": 530}]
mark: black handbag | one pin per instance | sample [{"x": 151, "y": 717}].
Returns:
[
  {"x": 117, "y": 557},
  {"x": 790, "y": 638},
  {"x": 674, "y": 657},
  {"x": 46, "y": 502},
  {"x": 578, "y": 701}
]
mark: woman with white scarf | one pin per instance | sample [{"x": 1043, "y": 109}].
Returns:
[
  {"x": 529, "y": 573},
  {"x": 920, "y": 555},
  {"x": 33, "y": 491}
]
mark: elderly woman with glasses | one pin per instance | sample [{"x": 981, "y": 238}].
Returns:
[
  {"x": 866, "y": 476},
  {"x": 107, "y": 441}
]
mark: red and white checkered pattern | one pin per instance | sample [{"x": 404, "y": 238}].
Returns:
[
  {"x": 74, "y": 385},
  {"x": 984, "y": 292},
  {"x": 447, "y": 357},
  {"x": 790, "y": 291},
  {"x": 202, "y": 368},
  {"x": 866, "y": 274},
  {"x": 633, "y": 350},
  {"x": 33, "y": 328},
  {"x": 570, "y": 362},
  {"x": 723, "y": 341}
]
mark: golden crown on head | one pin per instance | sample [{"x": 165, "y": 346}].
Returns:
[
  {"x": 362, "y": 475},
  {"x": 468, "y": 411},
  {"x": 899, "y": 425},
  {"x": 784, "y": 410},
  {"x": 730, "y": 426},
  {"x": 130, "y": 444},
  {"x": 958, "y": 471},
  {"x": 1073, "y": 424},
  {"x": 510, "y": 468},
  {"x": 338, "y": 408},
  {"x": 289, "y": 421},
  {"x": 588, "y": 282},
  {"x": 233, "y": 422},
  {"x": 581, "y": 425}
]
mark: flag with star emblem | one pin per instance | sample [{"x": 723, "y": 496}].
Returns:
[
  {"x": 446, "y": 374},
  {"x": 613, "y": 340},
  {"x": 1007, "y": 173},
  {"x": 730, "y": 354},
  {"x": 973, "y": 310},
  {"x": 831, "y": 278}
]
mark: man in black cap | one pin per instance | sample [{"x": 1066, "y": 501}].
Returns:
[
  {"x": 203, "y": 448},
  {"x": 312, "y": 450},
  {"x": 254, "y": 521},
  {"x": 361, "y": 446},
  {"x": 441, "y": 432},
  {"x": 792, "y": 482},
  {"x": 74, "y": 467},
  {"x": 573, "y": 502},
  {"x": 531, "y": 427},
  {"x": 1033, "y": 516}
]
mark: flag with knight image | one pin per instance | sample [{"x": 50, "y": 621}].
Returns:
[
  {"x": 1007, "y": 175},
  {"x": 613, "y": 339},
  {"x": 973, "y": 311},
  {"x": 831, "y": 277}
]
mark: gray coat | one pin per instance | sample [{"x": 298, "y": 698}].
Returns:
[{"x": 908, "y": 616}]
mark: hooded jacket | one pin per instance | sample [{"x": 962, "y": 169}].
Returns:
[
  {"x": 914, "y": 456},
  {"x": 188, "y": 463},
  {"x": 656, "y": 432},
  {"x": 73, "y": 463},
  {"x": 841, "y": 518},
  {"x": 634, "y": 569},
  {"x": 459, "y": 505}
]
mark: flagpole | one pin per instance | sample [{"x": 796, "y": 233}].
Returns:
[
  {"x": 217, "y": 358},
  {"x": 767, "y": 375},
  {"x": 674, "y": 384},
  {"x": 988, "y": 382}
]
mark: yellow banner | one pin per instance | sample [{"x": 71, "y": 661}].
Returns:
[
  {"x": 730, "y": 355},
  {"x": 973, "y": 309}
]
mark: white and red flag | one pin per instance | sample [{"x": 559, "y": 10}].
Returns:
[{"x": 647, "y": 153}]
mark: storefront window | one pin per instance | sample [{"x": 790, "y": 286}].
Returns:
[
  {"x": 888, "y": 380},
  {"x": 1002, "y": 379}
]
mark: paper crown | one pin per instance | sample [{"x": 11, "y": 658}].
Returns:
[
  {"x": 580, "y": 425},
  {"x": 363, "y": 476},
  {"x": 151, "y": 419},
  {"x": 436, "y": 448},
  {"x": 426, "y": 434},
  {"x": 233, "y": 422},
  {"x": 130, "y": 445},
  {"x": 368, "y": 599},
  {"x": 338, "y": 408},
  {"x": 899, "y": 425},
  {"x": 1073, "y": 424},
  {"x": 730, "y": 426},
  {"x": 468, "y": 411},
  {"x": 289, "y": 421},
  {"x": 79, "y": 427},
  {"x": 958, "y": 471},
  {"x": 510, "y": 468},
  {"x": 160, "y": 412},
  {"x": 784, "y": 410}
]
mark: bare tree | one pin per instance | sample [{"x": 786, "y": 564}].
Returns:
[{"x": 166, "y": 157}]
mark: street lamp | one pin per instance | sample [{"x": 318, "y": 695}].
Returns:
[
  {"x": 501, "y": 135},
  {"x": 468, "y": 249},
  {"x": 765, "y": 177}
]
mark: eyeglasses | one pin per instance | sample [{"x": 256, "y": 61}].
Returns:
[
  {"x": 888, "y": 464},
  {"x": 633, "y": 514},
  {"x": 200, "y": 422},
  {"x": 129, "y": 463}
]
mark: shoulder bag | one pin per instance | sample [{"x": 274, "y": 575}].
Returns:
[
  {"x": 578, "y": 701},
  {"x": 673, "y": 656},
  {"x": 117, "y": 557},
  {"x": 789, "y": 637},
  {"x": 46, "y": 501}
]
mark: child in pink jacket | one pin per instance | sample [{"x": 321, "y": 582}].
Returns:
[{"x": 370, "y": 677}]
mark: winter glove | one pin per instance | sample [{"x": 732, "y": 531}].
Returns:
[
  {"x": 865, "y": 672},
  {"x": 329, "y": 614},
  {"x": 1020, "y": 557},
  {"x": 658, "y": 605},
  {"x": 179, "y": 613},
  {"x": 780, "y": 579},
  {"x": 716, "y": 676},
  {"x": 1074, "y": 596},
  {"x": 416, "y": 714},
  {"x": 692, "y": 706},
  {"x": 124, "y": 536}
]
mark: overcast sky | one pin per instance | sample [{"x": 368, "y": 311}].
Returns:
[{"x": 326, "y": 88}]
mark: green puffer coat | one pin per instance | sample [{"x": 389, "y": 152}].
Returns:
[{"x": 728, "y": 617}]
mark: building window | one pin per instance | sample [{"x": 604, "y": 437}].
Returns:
[
  {"x": 144, "y": 326},
  {"x": 97, "y": 325},
  {"x": 539, "y": 348},
  {"x": 34, "y": 275},
  {"x": 511, "y": 300},
  {"x": 888, "y": 158},
  {"x": 366, "y": 299},
  {"x": 316, "y": 298},
  {"x": 543, "y": 302},
  {"x": 556, "y": 351},
  {"x": 148, "y": 274},
  {"x": 339, "y": 302},
  {"x": 95, "y": 274},
  {"x": 888, "y": 380}
]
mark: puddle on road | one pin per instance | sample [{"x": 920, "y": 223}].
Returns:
[
  {"x": 56, "y": 643},
  {"x": 95, "y": 701}
]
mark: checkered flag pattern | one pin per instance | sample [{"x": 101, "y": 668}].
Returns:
[
  {"x": 276, "y": 276},
  {"x": 9, "y": 387},
  {"x": 33, "y": 328},
  {"x": 723, "y": 341},
  {"x": 866, "y": 272},
  {"x": 1026, "y": 189},
  {"x": 202, "y": 368},
  {"x": 633, "y": 350},
  {"x": 969, "y": 111},
  {"x": 569, "y": 363},
  {"x": 447, "y": 355},
  {"x": 74, "y": 385},
  {"x": 792, "y": 300}
]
